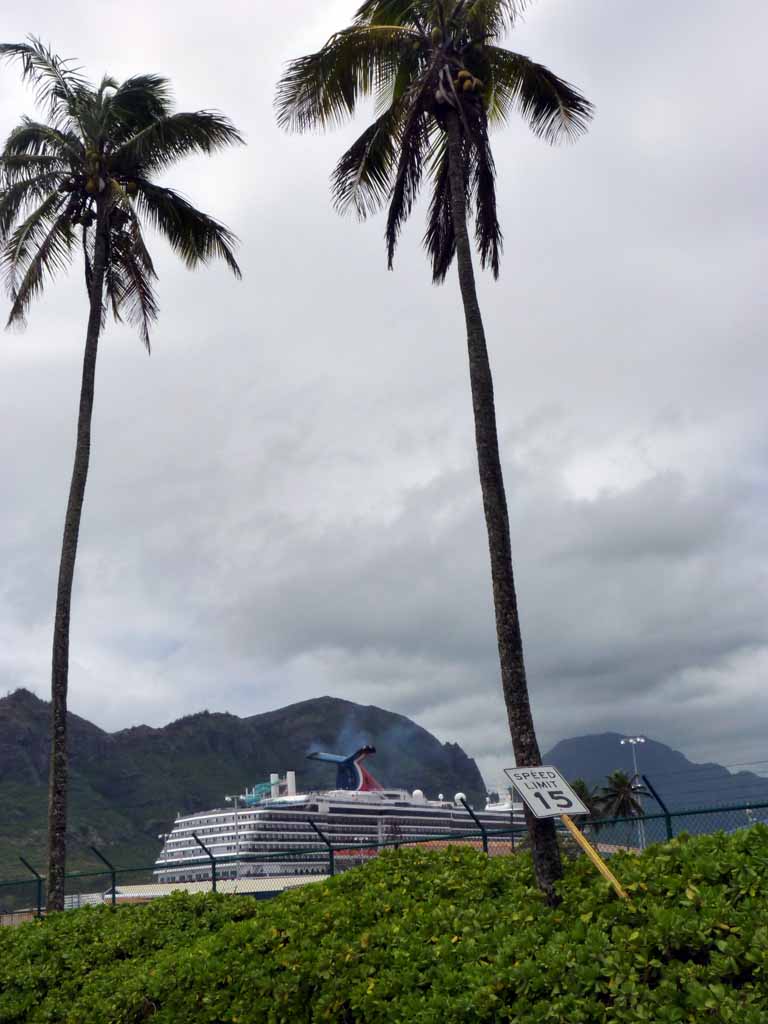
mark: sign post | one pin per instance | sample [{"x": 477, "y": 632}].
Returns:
[{"x": 548, "y": 795}]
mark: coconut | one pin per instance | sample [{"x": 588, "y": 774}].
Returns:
[
  {"x": 464, "y": 73},
  {"x": 92, "y": 185},
  {"x": 469, "y": 85},
  {"x": 437, "y": 36},
  {"x": 132, "y": 188}
]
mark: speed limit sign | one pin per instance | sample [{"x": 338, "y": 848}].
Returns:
[
  {"x": 548, "y": 795},
  {"x": 545, "y": 791}
]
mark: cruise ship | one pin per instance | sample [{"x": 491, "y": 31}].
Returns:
[{"x": 273, "y": 830}]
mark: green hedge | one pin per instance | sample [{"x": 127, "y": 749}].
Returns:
[{"x": 417, "y": 937}]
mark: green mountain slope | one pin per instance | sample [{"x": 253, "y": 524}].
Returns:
[{"x": 126, "y": 787}]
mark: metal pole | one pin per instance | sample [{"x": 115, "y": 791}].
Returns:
[
  {"x": 205, "y": 849},
  {"x": 593, "y": 855},
  {"x": 235, "y": 800},
  {"x": 633, "y": 741},
  {"x": 237, "y": 838},
  {"x": 662, "y": 805},
  {"x": 477, "y": 821},
  {"x": 640, "y": 825},
  {"x": 39, "y": 886},
  {"x": 112, "y": 872},
  {"x": 511, "y": 791},
  {"x": 326, "y": 840}
]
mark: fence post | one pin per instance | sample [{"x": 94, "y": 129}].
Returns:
[
  {"x": 477, "y": 821},
  {"x": 205, "y": 849},
  {"x": 329, "y": 844},
  {"x": 662, "y": 805},
  {"x": 112, "y": 872},
  {"x": 39, "y": 886}
]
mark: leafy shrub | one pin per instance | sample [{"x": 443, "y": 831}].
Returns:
[{"x": 424, "y": 938}]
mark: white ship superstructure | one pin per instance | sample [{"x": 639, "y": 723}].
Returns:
[{"x": 269, "y": 829}]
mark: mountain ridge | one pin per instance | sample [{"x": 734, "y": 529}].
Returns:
[
  {"x": 682, "y": 784},
  {"x": 127, "y": 786}
]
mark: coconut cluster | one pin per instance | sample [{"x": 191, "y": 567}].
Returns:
[
  {"x": 465, "y": 83},
  {"x": 86, "y": 186}
]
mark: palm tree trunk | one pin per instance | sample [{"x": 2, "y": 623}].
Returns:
[
  {"x": 59, "y": 767},
  {"x": 546, "y": 856}
]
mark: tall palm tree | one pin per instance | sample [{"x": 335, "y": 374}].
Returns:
[
  {"x": 84, "y": 178},
  {"x": 441, "y": 81}
]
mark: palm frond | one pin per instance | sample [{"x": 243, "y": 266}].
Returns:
[
  {"x": 57, "y": 82},
  {"x": 363, "y": 176},
  {"x": 22, "y": 166},
  {"x": 392, "y": 12},
  {"x": 131, "y": 283},
  {"x": 440, "y": 238},
  {"x": 489, "y": 18},
  {"x": 482, "y": 187},
  {"x": 196, "y": 237},
  {"x": 553, "y": 109},
  {"x": 115, "y": 287},
  {"x": 37, "y": 139},
  {"x": 413, "y": 62},
  {"x": 414, "y": 144},
  {"x": 137, "y": 103},
  {"x": 53, "y": 253},
  {"x": 323, "y": 88},
  {"x": 164, "y": 142},
  {"x": 19, "y": 245},
  {"x": 107, "y": 84},
  {"x": 18, "y": 197}
]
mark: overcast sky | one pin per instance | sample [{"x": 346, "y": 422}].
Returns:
[{"x": 283, "y": 499}]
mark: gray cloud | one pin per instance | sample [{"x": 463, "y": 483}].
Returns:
[{"x": 283, "y": 500}]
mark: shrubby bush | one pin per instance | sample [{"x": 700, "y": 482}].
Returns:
[{"x": 420, "y": 937}]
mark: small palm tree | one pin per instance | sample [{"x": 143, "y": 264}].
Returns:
[
  {"x": 590, "y": 797},
  {"x": 441, "y": 82},
  {"x": 619, "y": 797},
  {"x": 85, "y": 179}
]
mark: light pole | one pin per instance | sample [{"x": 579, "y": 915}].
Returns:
[
  {"x": 236, "y": 801},
  {"x": 633, "y": 741}
]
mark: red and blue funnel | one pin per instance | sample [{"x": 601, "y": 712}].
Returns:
[{"x": 350, "y": 773}]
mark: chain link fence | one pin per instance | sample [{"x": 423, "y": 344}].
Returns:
[
  {"x": 266, "y": 875},
  {"x": 21, "y": 901}
]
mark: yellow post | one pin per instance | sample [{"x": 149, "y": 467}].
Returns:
[{"x": 593, "y": 855}]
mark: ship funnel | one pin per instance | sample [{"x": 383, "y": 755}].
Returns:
[
  {"x": 290, "y": 778},
  {"x": 350, "y": 773},
  {"x": 274, "y": 781}
]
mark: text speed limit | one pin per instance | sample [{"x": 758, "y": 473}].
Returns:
[{"x": 545, "y": 792}]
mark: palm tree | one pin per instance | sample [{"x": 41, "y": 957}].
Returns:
[
  {"x": 441, "y": 81},
  {"x": 619, "y": 797},
  {"x": 85, "y": 178},
  {"x": 590, "y": 797}
]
